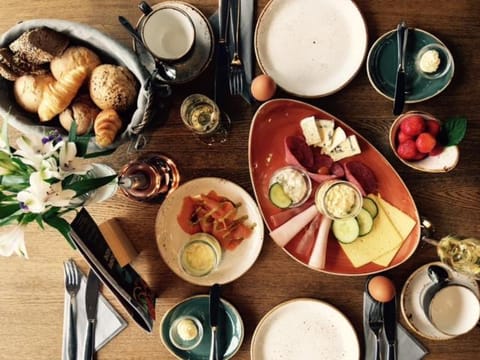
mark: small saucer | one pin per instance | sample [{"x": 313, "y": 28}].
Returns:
[
  {"x": 230, "y": 328},
  {"x": 197, "y": 60},
  {"x": 382, "y": 66},
  {"x": 410, "y": 300}
]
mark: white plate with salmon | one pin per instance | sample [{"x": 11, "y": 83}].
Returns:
[
  {"x": 309, "y": 138},
  {"x": 220, "y": 208}
]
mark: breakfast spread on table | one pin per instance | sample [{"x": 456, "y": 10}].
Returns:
[{"x": 329, "y": 199}]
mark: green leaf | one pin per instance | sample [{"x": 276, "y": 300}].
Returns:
[
  {"x": 82, "y": 145},
  {"x": 84, "y": 186},
  {"x": 62, "y": 226},
  {"x": 72, "y": 134},
  {"x": 8, "y": 210},
  {"x": 99, "y": 153},
  {"x": 453, "y": 131}
]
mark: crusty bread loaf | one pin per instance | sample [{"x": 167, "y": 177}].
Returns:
[
  {"x": 40, "y": 45},
  {"x": 18, "y": 65},
  {"x": 28, "y": 90},
  {"x": 73, "y": 57},
  {"x": 7, "y": 73},
  {"x": 58, "y": 95},
  {"x": 107, "y": 125},
  {"x": 113, "y": 87},
  {"x": 83, "y": 111}
]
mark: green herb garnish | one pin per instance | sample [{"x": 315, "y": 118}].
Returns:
[{"x": 453, "y": 131}]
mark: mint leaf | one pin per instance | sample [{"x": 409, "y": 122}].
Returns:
[{"x": 453, "y": 131}]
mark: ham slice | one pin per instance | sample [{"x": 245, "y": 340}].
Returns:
[
  {"x": 286, "y": 232},
  {"x": 283, "y": 216},
  {"x": 319, "y": 251},
  {"x": 304, "y": 246}
]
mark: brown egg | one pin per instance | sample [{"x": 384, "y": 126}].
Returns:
[
  {"x": 263, "y": 87},
  {"x": 381, "y": 288}
]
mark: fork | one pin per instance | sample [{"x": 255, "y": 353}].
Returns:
[
  {"x": 235, "y": 79},
  {"x": 72, "y": 285},
  {"x": 375, "y": 321}
]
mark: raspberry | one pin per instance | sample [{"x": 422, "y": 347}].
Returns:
[
  {"x": 425, "y": 142},
  {"x": 412, "y": 125},
  {"x": 402, "y": 137},
  {"x": 436, "y": 150},
  {"x": 433, "y": 127},
  {"x": 407, "y": 150}
]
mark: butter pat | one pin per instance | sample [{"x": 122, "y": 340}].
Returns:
[
  {"x": 118, "y": 242},
  {"x": 430, "y": 61}
]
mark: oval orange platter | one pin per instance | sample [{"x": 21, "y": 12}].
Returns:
[{"x": 279, "y": 118}]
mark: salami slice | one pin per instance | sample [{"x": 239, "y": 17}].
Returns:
[{"x": 362, "y": 176}]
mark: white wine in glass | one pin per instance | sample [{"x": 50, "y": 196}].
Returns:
[{"x": 461, "y": 254}]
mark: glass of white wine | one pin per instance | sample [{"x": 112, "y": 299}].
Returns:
[{"x": 462, "y": 254}]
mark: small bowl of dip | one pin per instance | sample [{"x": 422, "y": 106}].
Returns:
[
  {"x": 433, "y": 61},
  {"x": 338, "y": 199},
  {"x": 200, "y": 255},
  {"x": 186, "y": 332},
  {"x": 289, "y": 186}
]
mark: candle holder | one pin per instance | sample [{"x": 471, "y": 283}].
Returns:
[{"x": 149, "y": 178}]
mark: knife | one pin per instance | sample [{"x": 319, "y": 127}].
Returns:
[
  {"x": 390, "y": 327},
  {"x": 214, "y": 306},
  {"x": 221, "y": 57},
  {"x": 399, "y": 97},
  {"x": 91, "y": 301}
]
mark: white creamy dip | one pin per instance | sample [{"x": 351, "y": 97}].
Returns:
[
  {"x": 293, "y": 183},
  {"x": 338, "y": 199},
  {"x": 187, "y": 330},
  {"x": 430, "y": 61}
]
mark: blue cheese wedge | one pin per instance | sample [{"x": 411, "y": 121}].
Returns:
[
  {"x": 325, "y": 128},
  {"x": 310, "y": 131},
  {"x": 346, "y": 148},
  {"x": 338, "y": 137}
]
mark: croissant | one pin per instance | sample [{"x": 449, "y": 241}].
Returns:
[
  {"x": 58, "y": 95},
  {"x": 106, "y": 126}
]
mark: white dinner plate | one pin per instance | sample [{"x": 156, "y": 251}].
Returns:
[
  {"x": 302, "y": 329},
  {"x": 311, "y": 48},
  {"x": 170, "y": 236}
]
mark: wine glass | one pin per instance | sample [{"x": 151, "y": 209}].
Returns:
[{"x": 462, "y": 254}]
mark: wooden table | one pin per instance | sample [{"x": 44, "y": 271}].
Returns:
[{"x": 31, "y": 292}]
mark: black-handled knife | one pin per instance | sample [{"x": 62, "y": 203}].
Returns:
[
  {"x": 221, "y": 55},
  {"x": 399, "y": 96},
  {"x": 214, "y": 306},
  {"x": 91, "y": 302},
  {"x": 390, "y": 327}
]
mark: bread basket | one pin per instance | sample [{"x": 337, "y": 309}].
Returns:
[{"x": 109, "y": 50}]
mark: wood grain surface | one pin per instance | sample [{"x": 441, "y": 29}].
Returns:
[{"x": 32, "y": 293}]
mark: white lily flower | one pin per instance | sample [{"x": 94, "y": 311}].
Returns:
[
  {"x": 69, "y": 162},
  {"x": 35, "y": 149},
  {"x": 49, "y": 169},
  {"x": 13, "y": 241},
  {"x": 33, "y": 198},
  {"x": 59, "y": 197}
]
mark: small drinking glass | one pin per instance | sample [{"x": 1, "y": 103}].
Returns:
[
  {"x": 338, "y": 199},
  {"x": 203, "y": 117}
]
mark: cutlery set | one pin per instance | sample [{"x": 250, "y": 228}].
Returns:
[
  {"x": 399, "y": 96},
  {"x": 72, "y": 285}
]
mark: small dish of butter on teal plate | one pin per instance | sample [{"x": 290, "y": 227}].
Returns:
[
  {"x": 186, "y": 333},
  {"x": 422, "y": 81}
]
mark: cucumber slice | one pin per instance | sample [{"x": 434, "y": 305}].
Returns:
[
  {"x": 365, "y": 222},
  {"x": 346, "y": 231},
  {"x": 371, "y": 206},
  {"x": 278, "y": 197}
]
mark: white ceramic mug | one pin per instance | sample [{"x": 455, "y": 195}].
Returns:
[
  {"x": 452, "y": 308},
  {"x": 168, "y": 33}
]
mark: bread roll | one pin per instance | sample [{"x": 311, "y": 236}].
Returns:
[
  {"x": 113, "y": 87},
  {"x": 107, "y": 124},
  {"x": 58, "y": 95},
  {"x": 28, "y": 90},
  {"x": 83, "y": 111},
  {"x": 72, "y": 57}
]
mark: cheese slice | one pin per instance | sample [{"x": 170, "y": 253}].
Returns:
[
  {"x": 382, "y": 239},
  {"x": 339, "y": 136},
  {"x": 403, "y": 223},
  {"x": 346, "y": 148},
  {"x": 310, "y": 131},
  {"x": 325, "y": 128}
]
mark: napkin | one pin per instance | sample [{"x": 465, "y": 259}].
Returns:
[
  {"x": 246, "y": 42},
  {"x": 408, "y": 347},
  {"x": 109, "y": 322}
]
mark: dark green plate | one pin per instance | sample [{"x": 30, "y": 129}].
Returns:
[
  {"x": 230, "y": 328},
  {"x": 382, "y": 66}
]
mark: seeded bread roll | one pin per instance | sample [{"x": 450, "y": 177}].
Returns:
[
  {"x": 40, "y": 45},
  {"x": 73, "y": 57},
  {"x": 28, "y": 90},
  {"x": 113, "y": 87}
]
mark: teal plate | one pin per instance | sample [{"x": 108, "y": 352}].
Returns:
[
  {"x": 230, "y": 328},
  {"x": 382, "y": 66}
]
